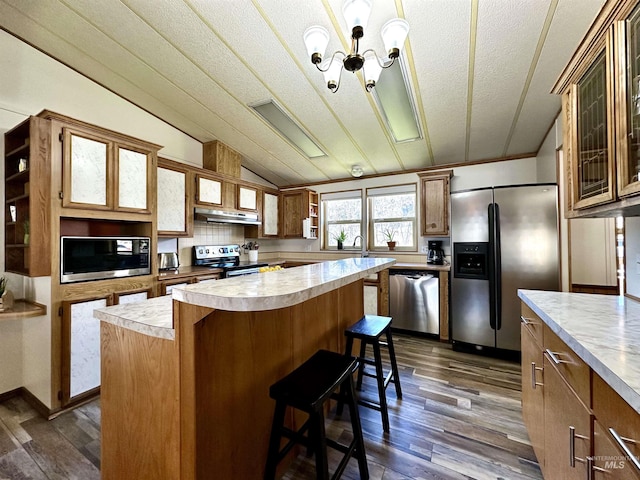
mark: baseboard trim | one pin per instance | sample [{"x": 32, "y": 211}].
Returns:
[
  {"x": 37, "y": 405},
  {"x": 10, "y": 394}
]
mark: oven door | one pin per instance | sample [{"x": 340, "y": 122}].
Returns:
[{"x": 241, "y": 271}]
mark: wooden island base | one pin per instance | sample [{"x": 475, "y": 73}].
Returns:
[{"x": 198, "y": 407}]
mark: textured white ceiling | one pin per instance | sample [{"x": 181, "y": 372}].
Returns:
[{"x": 480, "y": 70}]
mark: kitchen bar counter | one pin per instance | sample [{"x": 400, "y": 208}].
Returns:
[
  {"x": 185, "y": 380},
  {"x": 282, "y": 288},
  {"x": 603, "y": 330}
]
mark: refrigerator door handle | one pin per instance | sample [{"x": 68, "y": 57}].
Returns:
[
  {"x": 492, "y": 264},
  {"x": 498, "y": 268}
]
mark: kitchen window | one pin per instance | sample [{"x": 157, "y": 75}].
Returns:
[
  {"x": 392, "y": 210},
  {"x": 341, "y": 211}
]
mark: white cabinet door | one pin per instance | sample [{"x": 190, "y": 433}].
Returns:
[
  {"x": 593, "y": 251},
  {"x": 270, "y": 214},
  {"x": 132, "y": 297},
  {"x": 209, "y": 191},
  {"x": 87, "y": 163},
  {"x": 132, "y": 179},
  {"x": 171, "y": 200},
  {"x": 247, "y": 198},
  {"x": 84, "y": 346},
  {"x": 371, "y": 299}
]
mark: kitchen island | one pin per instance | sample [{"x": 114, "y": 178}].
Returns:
[
  {"x": 185, "y": 380},
  {"x": 581, "y": 383}
]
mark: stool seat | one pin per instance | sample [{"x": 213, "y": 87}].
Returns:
[
  {"x": 307, "y": 388},
  {"x": 368, "y": 330},
  {"x": 369, "y": 326},
  {"x": 313, "y": 382}
]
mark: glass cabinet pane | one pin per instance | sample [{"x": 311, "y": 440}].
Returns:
[
  {"x": 132, "y": 179},
  {"x": 88, "y": 171},
  {"x": 593, "y": 149},
  {"x": 633, "y": 98}
]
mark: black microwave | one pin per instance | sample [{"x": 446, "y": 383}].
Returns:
[{"x": 99, "y": 258}]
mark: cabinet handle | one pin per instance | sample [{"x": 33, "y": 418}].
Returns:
[
  {"x": 527, "y": 321},
  {"x": 593, "y": 468},
  {"x": 622, "y": 443},
  {"x": 533, "y": 376},
  {"x": 572, "y": 449},
  {"x": 553, "y": 356}
]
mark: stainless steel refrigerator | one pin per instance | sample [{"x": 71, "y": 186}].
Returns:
[{"x": 503, "y": 239}]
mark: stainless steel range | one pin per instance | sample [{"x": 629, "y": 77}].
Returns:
[{"x": 226, "y": 257}]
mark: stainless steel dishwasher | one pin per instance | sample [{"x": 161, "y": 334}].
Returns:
[{"x": 414, "y": 301}]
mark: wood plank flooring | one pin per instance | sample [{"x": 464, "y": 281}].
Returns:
[{"x": 460, "y": 418}]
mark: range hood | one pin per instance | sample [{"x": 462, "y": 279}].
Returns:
[{"x": 218, "y": 216}]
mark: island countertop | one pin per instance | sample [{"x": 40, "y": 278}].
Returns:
[
  {"x": 256, "y": 292},
  {"x": 603, "y": 330},
  {"x": 281, "y": 288}
]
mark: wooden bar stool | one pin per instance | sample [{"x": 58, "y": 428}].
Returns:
[
  {"x": 307, "y": 388},
  {"x": 368, "y": 330}
]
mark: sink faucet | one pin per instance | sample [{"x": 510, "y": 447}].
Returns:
[{"x": 364, "y": 252}]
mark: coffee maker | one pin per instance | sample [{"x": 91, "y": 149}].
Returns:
[{"x": 435, "y": 255}]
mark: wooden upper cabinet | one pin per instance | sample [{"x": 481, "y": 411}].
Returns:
[
  {"x": 435, "y": 195},
  {"x": 174, "y": 207},
  {"x": 213, "y": 192},
  {"x": 220, "y": 158},
  {"x": 297, "y": 206},
  {"x": 104, "y": 172},
  {"x": 628, "y": 101},
  {"x": 270, "y": 214},
  {"x": 269, "y": 209},
  {"x": 27, "y": 196},
  {"x": 592, "y": 125}
]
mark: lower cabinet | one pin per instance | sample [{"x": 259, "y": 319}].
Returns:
[
  {"x": 533, "y": 391},
  {"x": 81, "y": 342},
  {"x": 567, "y": 428},
  {"x": 572, "y": 415}
]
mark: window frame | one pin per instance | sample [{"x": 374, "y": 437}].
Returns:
[
  {"x": 387, "y": 190},
  {"x": 358, "y": 193}
]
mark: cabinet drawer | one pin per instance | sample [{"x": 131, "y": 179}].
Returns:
[
  {"x": 569, "y": 365},
  {"x": 613, "y": 412},
  {"x": 609, "y": 461},
  {"x": 533, "y": 323}
]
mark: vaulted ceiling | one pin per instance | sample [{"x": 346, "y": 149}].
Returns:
[{"x": 480, "y": 72}]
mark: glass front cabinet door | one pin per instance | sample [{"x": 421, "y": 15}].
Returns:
[
  {"x": 592, "y": 155},
  {"x": 628, "y": 68}
]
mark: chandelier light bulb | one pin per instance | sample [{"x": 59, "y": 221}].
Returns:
[
  {"x": 372, "y": 69},
  {"x": 356, "y": 13},
  {"x": 316, "y": 39},
  {"x": 394, "y": 33}
]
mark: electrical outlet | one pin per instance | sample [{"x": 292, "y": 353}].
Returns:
[
  {"x": 307, "y": 248},
  {"x": 424, "y": 249}
]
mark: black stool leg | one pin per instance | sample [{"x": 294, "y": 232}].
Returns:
[
  {"x": 394, "y": 365},
  {"x": 319, "y": 442},
  {"x": 363, "y": 351},
  {"x": 381, "y": 389},
  {"x": 359, "y": 453},
  {"x": 274, "y": 441},
  {"x": 347, "y": 352}
]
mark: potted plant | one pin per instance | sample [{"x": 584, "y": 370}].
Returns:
[
  {"x": 26, "y": 231},
  {"x": 6, "y": 297},
  {"x": 340, "y": 238},
  {"x": 389, "y": 235}
]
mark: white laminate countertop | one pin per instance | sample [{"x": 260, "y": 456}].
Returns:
[
  {"x": 153, "y": 317},
  {"x": 263, "y": 291},
  {"x": 603, "y": 330},
  {"x": 281, "y": 288}
]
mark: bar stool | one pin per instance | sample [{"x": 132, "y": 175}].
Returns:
[
  {"x": 368, "y": 330},
  {"x": 307, "y": 388}
]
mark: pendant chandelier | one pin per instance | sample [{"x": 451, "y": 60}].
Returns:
[{"x": 356, "y": 14}]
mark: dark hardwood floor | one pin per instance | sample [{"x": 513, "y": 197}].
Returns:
[{"x": 460, "y": 418}]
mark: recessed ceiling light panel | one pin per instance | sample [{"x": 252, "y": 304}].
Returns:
[
  {"x": 275, "y": 116},
  {"x": 395, "y": 101}
]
